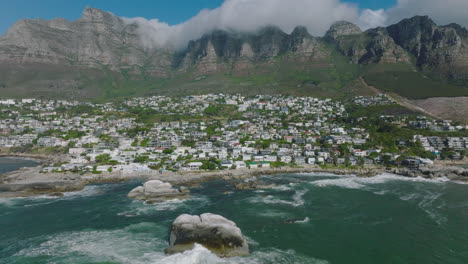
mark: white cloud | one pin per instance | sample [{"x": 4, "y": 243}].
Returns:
[
  {"x": 316, "y": 15},
  {"x": 441, "y": 11},
  {"x": 372, "y": 18},
  {"x": 249, "y": 16}
]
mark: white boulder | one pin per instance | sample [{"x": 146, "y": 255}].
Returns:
[{"x": 216, "y": 233}]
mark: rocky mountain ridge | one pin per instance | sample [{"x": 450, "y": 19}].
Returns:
[{"x": 101, "y": 41}]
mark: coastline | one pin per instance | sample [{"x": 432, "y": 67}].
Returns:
[{"x": 30, "y": 181}]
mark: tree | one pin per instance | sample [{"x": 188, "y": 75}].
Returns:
[
  {"x": 168, "y": 151},
  {"x": 144, "y": 142},
  {"x": 103, "y": 159},
  {"x": 344, "y": 149},
  {"x": 373, "y": 155},
  {"x": 113, "y": 162},
  {"x": 188, "y": 143},
  {"x": 141, "y": 159},
  {"x": 387, "y": 159},
  {"x": 211, "y": 110},
  {"x": 74, "y": 134},
  {"x": 105, "y": 138}
]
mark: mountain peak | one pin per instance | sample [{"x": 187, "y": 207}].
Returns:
[
  {"x": 342, "y": 28},
  {"x": 461, "y": 31},
  {"x": 418, "y": 20},
  {"x": 271, "y": 30},
  {"x": 300, "y": 31},
  {"x": 94, "y": 14}
]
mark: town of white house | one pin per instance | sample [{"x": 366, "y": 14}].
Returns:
[{"x": 218, "y": 132}]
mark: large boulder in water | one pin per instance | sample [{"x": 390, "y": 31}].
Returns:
[
  {"x": 158, "y": 191},
  {"x": 216, "y": 233}
]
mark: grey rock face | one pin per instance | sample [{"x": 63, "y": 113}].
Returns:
[
  {"x": 218, "y": 50},
  {"x": 158, "y": 191},
  {"x": 216, "y": 233},
  {"x": 342, "y": 28},
  {"x": 97, "y": 38},
  {"x": 434, "y": 172},
  {"x": 434, "y": 47}
]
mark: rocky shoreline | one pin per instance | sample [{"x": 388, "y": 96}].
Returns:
[
  {"x": 452, "y": 173},
  {"x": 31, "y": 182}
]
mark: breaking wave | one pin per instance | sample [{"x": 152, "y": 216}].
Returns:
[
  {"x": 139, "y": 208},
  {"x": 139, "y": 244},
  {"x": 354, "y": 182}
]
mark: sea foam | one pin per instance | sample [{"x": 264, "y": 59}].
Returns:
[
  {"x": 354, "y": 182},
  {"x": 136, "y": 244},
  {"x": 297, "y": 199}
]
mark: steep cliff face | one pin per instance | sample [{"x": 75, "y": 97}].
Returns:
[
  {"x": 342, "y": 28},
  {"x": 221, "y": 50},
  {"x": 97, "y": 38},
  {"x": 435, "y": 48},
  {"x": 372, "y": 46}
]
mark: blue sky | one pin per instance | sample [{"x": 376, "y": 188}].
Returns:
[{"x": 170, "y": 11}]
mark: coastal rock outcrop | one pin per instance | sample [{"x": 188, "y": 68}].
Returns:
[
  {"x": 253, "y": 185},
  {"x": 30, "y": 182},
  {"x": 157, "y": 191},
  {"x": 434, "y": 172},
  {"x": 216, "y": 233}
]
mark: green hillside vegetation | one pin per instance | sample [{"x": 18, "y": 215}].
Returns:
[
  {"x": 284, "y": 75},
  {"x": 330, "y": 77},
  {"x": 333, "y": 77},
  {"x": 407, "y": 82}
]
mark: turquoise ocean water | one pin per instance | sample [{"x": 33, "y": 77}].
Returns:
[
  {"x": 308, "y": 218},
  {"x": 11, "y": 164}
]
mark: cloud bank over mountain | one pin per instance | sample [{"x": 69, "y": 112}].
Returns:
[{"x": 316, "y": 15}]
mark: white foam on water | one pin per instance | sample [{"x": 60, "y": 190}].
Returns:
[
  {"x": 42, "y": 199},
  {"x": 348, "y": 183},
  {"x": 283, "y": 187},
  {"x": 139, "y": 208},
  {"x": 277, "y": 256},
  {"x": 198, "y": 255},
  {"x": 168, "y": 205},
  {"x": 430, "y": 202},
  {"x": 27, "y": 201},
  {"x": 122, "y": 246},
  {"x": 381, "y": 192},
  {"x": 137, "y": 244},
  {"x": 8, "y": 201},
  {"x": 272, "y": 213},
  {"x": 424, "y": 196},
  {"x": 297, "y": 199},
  {"x": 305, "y": 221},
  {"x": 354, "y": 182},
  {"x": 461, "y": 182},
  {"x": 89, "y": 190},
  {"x": 316, "y": 174}
]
